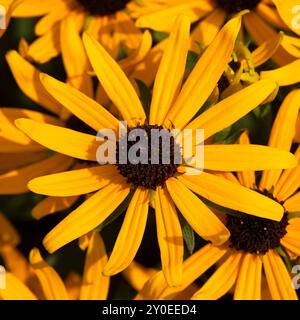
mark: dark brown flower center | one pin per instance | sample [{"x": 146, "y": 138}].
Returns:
[
  {"x": 160, "y": 156},
  {"x": 235, "y": 6},
  {"x": 253, "y": 234},
  {"x": 103, "y": 7}
]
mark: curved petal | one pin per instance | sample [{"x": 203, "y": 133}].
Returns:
[
  {"x": 222, "y": 280},
  {"x": 193, "y": 268},
  {"x": 94, "y": 286},
  {"x": 87, "y": 216},
  {"x": 131, "y": 233},
  {"x": 51, "y": 283},
  {"x": 27, "y": 78}
]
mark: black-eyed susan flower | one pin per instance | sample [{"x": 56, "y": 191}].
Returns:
[
  {"x": 20, "y": 158},
  {"x": 253, "y": 252},
  {"x": 171, "y": 106},
  {"x": 261, "y": 22},
  {"x": 109, "y": 21},
  {"x": 43, "y": 282}
]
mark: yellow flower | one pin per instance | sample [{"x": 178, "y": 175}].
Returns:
[
  {"x": 40, "y": 281},
  {"x": 109, "y": 21},
  {"x": 254, "y": 241},
  {"x": 262, "y": 22},
  {"x": 20, "y": 158},
  {"x": 171, "y": 105}
]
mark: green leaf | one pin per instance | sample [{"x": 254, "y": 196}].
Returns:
[
  {"x": 145, "y": 96},
  {"x": 192, "y": 59},
  {"x": 159, "y": 36},
  {"x": 188, "y": 234},
  {"x": 285, "y": 257},
  {"x": 121, "y": 208}
]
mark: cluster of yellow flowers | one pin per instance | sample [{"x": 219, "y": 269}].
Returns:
[{"x": 157, "y": 64}]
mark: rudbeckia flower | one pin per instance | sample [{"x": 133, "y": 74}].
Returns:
[
  {"x": 254, "y": 251},
  {"x": 109, "y": 21},
  {"x": 171, "y": 106},
  {"x": 40, "y": 281},
  {"x": 20, "y": 158},
  {"x": 262, "y": 22}
]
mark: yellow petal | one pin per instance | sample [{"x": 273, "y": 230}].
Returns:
[
  {"x": 193, "y": 268},
  {"x": 246, "y": 178},
  {"x": 94, "y": 285},
  {"x": 8, "y": 233},
  {"x": 278, "y": 278},
  {"x": 231, "y": 195},
  {"x": 69, "y": 142},
  {"x": 114, "y": 81},
  {"x": 27, "y": 78},
  {"x": 87, "y": 216},
  {"x": 74, "y": 57},
  {"x": 284, "y": 76},
  {"x": 31, "y": 8},
  {"x": 15, "y": 181},
  {"x": 51, "y": 283},
  {"x": 222, "y": 280},
  {"x": 246, "y": 157},
  {"x": 171, "y": 70},
  {"x": 248, "y": 284},
  {"x": 231, "y": 109},
  {"x": 52, "y": 205},
  {"x": 207, "y": 29},
  {"x": 131, "y": 233},
  {"x": 197, "y": 214},
  {"x": 170, "y": 237},
  {"x": 204, "y": 76},
  {"x": 74, "y": 182},
  {"x": 83, "y": 107},
  {"x": 15, "y": 289},
  {"x": 288, "y": 12},
  {"x": 282, "y": 134}
]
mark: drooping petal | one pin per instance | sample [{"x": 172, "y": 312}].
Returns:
[
  {"x": 197, "y": 214},
  {"x": 131, "y": 233},
  {"x": 278, "y": 278},
  {"x": 248, "y": 284},
  {"x": 87, "y": 216},
  {"x": 94, "y": 285},
  {"x": 51, "y": 283},
  {"x": 222, "y": 280},
  {"x": 231, "y": 195},
  {"x": 170, "y": 237}
]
